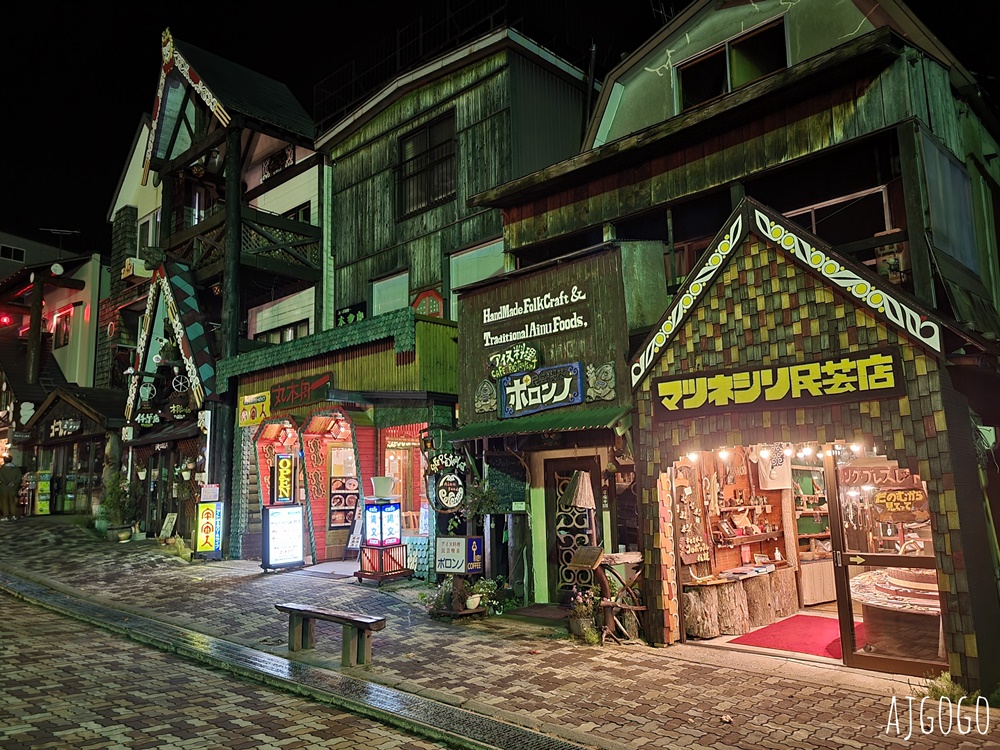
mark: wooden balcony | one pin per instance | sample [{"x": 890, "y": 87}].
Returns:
[{"x": 271, "y": 244}]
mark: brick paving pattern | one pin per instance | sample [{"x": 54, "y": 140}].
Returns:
[
  {"x": 610, "y": 696},
  {"x": 70, "y": 685}
]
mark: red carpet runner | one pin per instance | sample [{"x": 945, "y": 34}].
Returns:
[{"x": 803, "y": 634}]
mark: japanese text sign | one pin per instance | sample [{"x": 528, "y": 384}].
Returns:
[
  {"x": 544, "y": 388},
  {"x": 853, "y": 376},
  {"x": 291, "y": 393}
]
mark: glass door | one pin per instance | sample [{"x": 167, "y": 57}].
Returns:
[{"x": 884, "y": 570}]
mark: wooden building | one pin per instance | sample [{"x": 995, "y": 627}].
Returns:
[
  {"x": 857, "y": 134},
  {"x": 399, "y": 166},
  {"x": 229, "y": 237}
]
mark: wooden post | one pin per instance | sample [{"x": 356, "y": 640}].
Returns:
[
  {"x": 349, "y": 648},
  {"x": 223, "y": 418},
  {"x": 294, "y": 632},
  {"x": 734, "y": 619},
  {"x": 35, "y": 330},
  {"x": 760, "y": 600}
]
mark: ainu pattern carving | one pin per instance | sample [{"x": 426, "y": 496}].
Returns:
[
  {"x": 878, "y": 300},
  {"x": 571, "y": 532}
]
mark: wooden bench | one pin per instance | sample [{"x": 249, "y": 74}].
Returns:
[{"x": 358, "y": 629}]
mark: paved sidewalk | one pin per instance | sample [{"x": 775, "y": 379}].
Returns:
[{"x": 607, "y": 697}]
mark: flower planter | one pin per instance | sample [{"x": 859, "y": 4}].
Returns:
[
  {"x": 580, "y": 625},
  {"x": 473, "y": 600}
]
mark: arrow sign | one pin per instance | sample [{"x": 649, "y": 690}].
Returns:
[{"x": 856, "y": 560}]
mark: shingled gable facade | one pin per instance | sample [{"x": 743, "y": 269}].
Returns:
[{"x": 857, "y": 124}]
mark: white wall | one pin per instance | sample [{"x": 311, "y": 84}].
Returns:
[
  {"x": 76, "y": 359},
  {"x": 283, "y": 312}
]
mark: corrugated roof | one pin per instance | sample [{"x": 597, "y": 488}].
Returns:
[
  {"x": 399, "y": 325},
  {"x": 551, "y": 420},
  {"x": 247, "y": 92}
]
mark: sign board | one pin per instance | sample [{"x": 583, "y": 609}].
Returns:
[
  {"x": 853, "y": 376},
  {"x": 544, "y": 388},
  {"x": 445, "y": 476},
  {"x": 208, "y": 539},
  {"x": 354, "y": 541},
  {"x": 283, "y": 548},
  {"x": 167, "y": 530},
  {"x": 289, "y": 394},
  {"x": 254, "y": 409},
  {"x": 283, "y": 481},
  {"x": 383, "y": 524},
  {"x": 586, "y": 558},
  {"x": 459, "y": 555}
]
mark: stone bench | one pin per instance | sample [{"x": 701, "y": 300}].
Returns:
[{"x": 358, "y": 629}]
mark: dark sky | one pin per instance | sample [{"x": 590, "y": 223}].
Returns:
[{"x": 76, "y": 81}]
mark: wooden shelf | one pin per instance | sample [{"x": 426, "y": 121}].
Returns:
[
  {"x": 801, "y": 495},
  {"x": 800, "y": 467},
  {"x": 737, "y": 508},
  {"x": 810, "y": 512},
  {"x": 822, "y": 535},
  {"x": 739, "y": 541}
]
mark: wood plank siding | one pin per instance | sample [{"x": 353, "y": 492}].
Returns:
[{"x": 704, "y": 158}]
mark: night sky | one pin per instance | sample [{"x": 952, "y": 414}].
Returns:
[{"x": 75, "y": 82}]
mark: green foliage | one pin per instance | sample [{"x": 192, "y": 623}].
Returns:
[
  {"x": 119, "y": 502},
  {"x": 943, "y": 686},
  {"x": 591, "y": 637}
]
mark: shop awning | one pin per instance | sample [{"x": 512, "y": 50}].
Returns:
[
  {"x": 552, "y": 420},
  {"x": 166, "y": 434}
]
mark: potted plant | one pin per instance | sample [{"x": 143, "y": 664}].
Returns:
[
  {"x": 120, "y": 508},
  {"x": 582, "y": 611}
]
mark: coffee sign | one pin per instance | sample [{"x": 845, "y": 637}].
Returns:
[
  {"x": 283, "y": 485},
  {"x": 446, "y": 481}
]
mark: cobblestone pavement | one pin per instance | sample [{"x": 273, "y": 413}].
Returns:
[
  {"x": 93, "y": 690},
  {"x": 611, "y": 696}
]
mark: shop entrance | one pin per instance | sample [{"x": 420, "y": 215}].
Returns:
[
  {"x": 820, "y": 549},
  {"x": 567, "y": 527}
]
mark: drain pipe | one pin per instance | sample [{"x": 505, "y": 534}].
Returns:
[{"x": 590, "y": 91}]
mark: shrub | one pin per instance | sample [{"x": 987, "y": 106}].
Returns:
[{"x": 943, "y": 686}]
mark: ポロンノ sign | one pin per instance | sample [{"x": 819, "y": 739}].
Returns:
[
  {"x": 544, "y": 388},
  {"x": 283, "y": 484},
  {"x": 461, "y": 555},
  {"x": 282, "y": 526},
  {"x": 853, "y": 376}
]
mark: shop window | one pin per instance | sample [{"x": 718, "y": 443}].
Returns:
[
  {"x": 681, "y": 261},
  {"x": 15, "y": 254},
  {"x": 61, "y": 328},
  {"x": 391, "y": 293},
  {"x": 735, "y": 64},
  {"x": 848, "y": 218},
  {"x": 426, "y": 172},
  {"x": 284, "y": 334},
  {"x": 301, "y": 213},
  {"x": 403, "y": 463},
  {"x": 473, "y": 265}
]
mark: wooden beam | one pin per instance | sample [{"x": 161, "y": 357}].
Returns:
[
  {"x": 203, "y": 146},
  {"x": 62, "y": 282}
]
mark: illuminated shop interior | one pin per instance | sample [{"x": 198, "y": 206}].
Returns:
[{"x": 783, "y": 521}]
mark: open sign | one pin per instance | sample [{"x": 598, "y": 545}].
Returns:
[{"x": 284, "y": 478}]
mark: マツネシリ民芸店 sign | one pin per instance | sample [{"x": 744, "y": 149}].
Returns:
[{"x": 853, "y": 376}]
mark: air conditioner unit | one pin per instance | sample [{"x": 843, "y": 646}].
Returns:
[{"x": 135, "y": 268}]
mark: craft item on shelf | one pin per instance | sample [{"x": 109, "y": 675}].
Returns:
[
  {"x": 774, "y": 472},
  {"x": 713, "y": 493},
  {"x": 741, "y": 520}
]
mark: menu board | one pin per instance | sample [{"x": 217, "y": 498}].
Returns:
[
  {"x": 208, "y": 542},
  {"x": 282, "y": 537},
  {"x": 344, "y": 494}
]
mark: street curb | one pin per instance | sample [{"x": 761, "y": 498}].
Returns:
[{"x": 116, "y": 620}]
